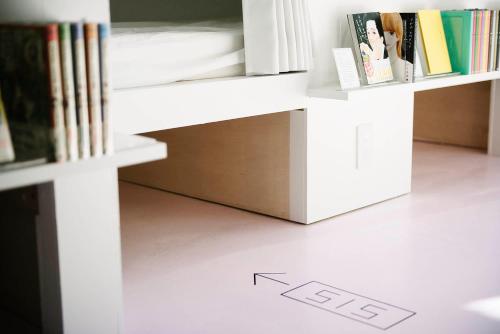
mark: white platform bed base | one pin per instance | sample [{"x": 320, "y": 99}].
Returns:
[{"x": 347, "y": 149}]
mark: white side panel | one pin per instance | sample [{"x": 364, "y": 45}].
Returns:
[
  {"x": 54, "y": 10},
  {"x": 189, "y": 103},
  {"x": 84, "y": 222},
  {"x": 298, "y": 166},
  {"x": 494, "y": 129},
  {"x": 358, "y": 152}
]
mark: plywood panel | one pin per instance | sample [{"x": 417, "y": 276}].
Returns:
[
  {"x": 242, "y": 163},
  {"x": 455, "y": 115}
]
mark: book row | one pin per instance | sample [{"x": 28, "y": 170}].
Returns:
[
  {"x": 54, "y": 93},
  {"x": 405, "y": 46}
]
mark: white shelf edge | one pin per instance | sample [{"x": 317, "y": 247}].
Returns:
[
  {"x": 335, "y": 93},
  {"x": 155, "y": 108},
  {"x": 135, "y": 151}
]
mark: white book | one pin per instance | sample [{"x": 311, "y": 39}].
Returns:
[
  {"x": 94, "y": 89},
  {"x": 346, "y": 68},
  {"x": 54, "y": 63},
  {"x": 80, "y": 80},
  {"x": 107, "y": 133},
  {"x": 491, "y": 55},
  {"x": 68, "y": 89}
]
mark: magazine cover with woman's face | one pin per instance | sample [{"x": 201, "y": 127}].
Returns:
[
  {"x": 370, "y": 35},
  {"x": 399, "y": 36}
]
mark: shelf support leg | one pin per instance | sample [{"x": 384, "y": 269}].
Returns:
[
  {"x": 494, "y": 123},
  {"x": 79, "y": 254}
]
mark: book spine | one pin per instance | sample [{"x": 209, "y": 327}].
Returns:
[
  {"x": 409, "y": 33},
  {"x": 421, "y": 51},
  {"x": 68, "y": 88},
  {"x": 80, "y": 78},
  {"x": 471, "y": 45},
  {"x": 105, "y": 89},
  {"x": 94, "y": 88},
  {"x": 498, "y": 44},
  {"x": 415, "y": 51},
  {"x": 495, "y": 31},
  {"x": 473, "y": 42},
  {"x": 55, "y": 86},
  {"x": 6, "y": 146},
  {"x": 495, "y": 41},
  {"x": 478, "y": 41},
  {"x": 491, "y": 41},
  {"x": 357, "y": 50},
  {"x": 486, "y": 41},
  {"x": 481, "y": 40}
]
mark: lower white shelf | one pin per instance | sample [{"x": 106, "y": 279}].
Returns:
[
  {"x": 129, "y": 150},
  {"x": 334, "y": 92}
]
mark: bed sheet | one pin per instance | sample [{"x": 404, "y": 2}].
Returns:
[{"x": 153, "y": 53}]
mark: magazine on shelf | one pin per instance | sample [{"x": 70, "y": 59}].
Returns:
[
  {"x": 459, "y": 30},
  {"x": 6, "y": 148},
  {"x": 399, "y": 36},
  {"x": 432, "y": 42},
  {"x": 31, "y": 89},
  {"x": 370, "y": 48}
]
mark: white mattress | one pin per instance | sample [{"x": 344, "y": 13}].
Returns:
[{"x": 153, "y": 53}]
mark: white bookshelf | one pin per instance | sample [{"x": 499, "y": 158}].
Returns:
[
  {"x": 334, "y": 92},
  {"x": 187, "y": 103},
  {"x": 343, "y": 155},
  {"x": 130, "y": 150},
  {"x": 78, "y": 236}
]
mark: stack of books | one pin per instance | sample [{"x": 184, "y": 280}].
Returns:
[
  {"x": 472, "y": 37},
  {"x": 54, "y": 93},
  {"x": 405, "y": 46}
]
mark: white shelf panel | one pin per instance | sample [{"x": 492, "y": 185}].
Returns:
[
  {"x": 441, "y": 82},
  {"x": 130, "y": 150},
  {"x": 154, "y": 108},
  {"x": 334, "y": 92}
]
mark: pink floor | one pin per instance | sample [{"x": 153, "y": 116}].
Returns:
[{"x": 189, "y": 264}]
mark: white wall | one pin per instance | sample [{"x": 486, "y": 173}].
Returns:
[
  {"x": 330, "y": 24},
  {"x": 54, "y": 10}
]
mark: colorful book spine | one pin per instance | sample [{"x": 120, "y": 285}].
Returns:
[
  {"x": 498, "y": 45},
  {"x": 6, "y": 147},
  {"x": 68, "y": 89},
  {"x": 458, "y": 27},
  {"x": 80, "y": 79},
  {"x": 434, "y": 40},
  {"x": 94, "y": 88},
  {"x": 477, "y": 45},
  {"x": 55, "y": 86},
  {"x": 107, "y": 131},
  {"x": 495, "y": 40},
  {"x": 486, "y": 40},
  {"x": 491, "y": 53},
  {"x": 474, "y": 41}
]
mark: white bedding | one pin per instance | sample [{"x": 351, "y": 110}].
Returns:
[{"x": 153, "y": 53}]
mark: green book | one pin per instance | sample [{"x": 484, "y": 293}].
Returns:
[{"x": 458, "y": 28}]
